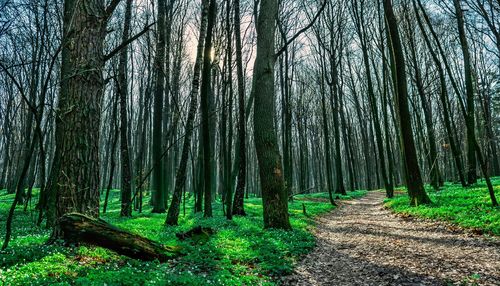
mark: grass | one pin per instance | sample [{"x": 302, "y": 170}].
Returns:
[
  {"x": 239, "y": 253},
  {"x": 467, "y": 207}
]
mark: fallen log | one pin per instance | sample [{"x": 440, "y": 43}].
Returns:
[{"x": 78, "y": 228}]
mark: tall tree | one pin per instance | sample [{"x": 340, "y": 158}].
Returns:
[
  {"x": 274, "y": 197},
  {"x": 159, "y": 199},
  {"x": 180, "y": 177},
  {"x": 469, "y": 88},
  {"x": 75, "y": 170},
  {"x": 206, "y": 90},
  {"x": 414, "y": 182},
  {"x": 238, "y": 208},
  {"x": 436, "y": 179},
  {"x": 359, "y": 20},
  {"x": 126, "y": 172},
  {"x": 443, "y": 92}
]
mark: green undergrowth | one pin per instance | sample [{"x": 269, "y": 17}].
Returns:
[
  {"x": 239, "y": 253},
  {"x": 467, "y": 207}
]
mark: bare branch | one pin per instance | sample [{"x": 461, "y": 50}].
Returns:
[
  {"x": 282, "y": 49},
  {"x": 124, "y": 44}
]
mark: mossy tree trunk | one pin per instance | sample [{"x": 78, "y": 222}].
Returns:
[
  {"x": 75, "y": 171},
  {"x": 78, "y": 228}
]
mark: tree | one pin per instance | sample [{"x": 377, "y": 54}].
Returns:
[
  {"x": 126, "y": 172},
  {"x": 238, "y": 207},
  {"x": 274, "y": 197},
  {"x": 443, "y": 92},
  {"x": 359, "y": 19},
  {"x": 159, "y": 190},
  {"x": 414, "y": 183},
  {"x": 469, "y": 120},
  {"x": 180, "y": 177},
  {"x": 75, "y": 170},
  {"x": 205, "y": 116}
]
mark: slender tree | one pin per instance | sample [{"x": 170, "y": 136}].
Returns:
[
  {"x": 414, "y": 182},
  {"x": 126, "y": 172},
  {"x": 205, "y": 116},
  {"x": 180, "y": 177}
]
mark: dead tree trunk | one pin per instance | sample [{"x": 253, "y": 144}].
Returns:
[{"x": 78, "y": 228}]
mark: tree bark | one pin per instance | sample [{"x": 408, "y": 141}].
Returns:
[
  {"x": 79, "y": 228},
  {"x": 75, "y": 171},
  {"x": 274, "y": 197}
]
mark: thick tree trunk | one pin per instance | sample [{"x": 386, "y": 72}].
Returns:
[
  {"x": 79, "y": 228},
  {"x": 75, "y": 171},
  {"x": 274, "y": 198}
]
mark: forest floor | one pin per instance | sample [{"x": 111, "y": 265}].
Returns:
[
  {"x": 240, "y": 252},
  {"x": 365, "y": 243}
]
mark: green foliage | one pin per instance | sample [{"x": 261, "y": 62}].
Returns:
[
  {"x": 239, "y": 253},
  {"x": 468, "y": 207}
]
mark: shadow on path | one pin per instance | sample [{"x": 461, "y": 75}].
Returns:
[{"x": 361, "y": 243}]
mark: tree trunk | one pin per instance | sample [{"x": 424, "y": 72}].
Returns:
[
  {"x": 326, "y": 140},
  {"x": 436, "y": 180},
  {"x": 443, "y": 95},
  {"x": 361, "y": 30},
  {"x": 126, "y": 172},
  {"x": 274, "y": 197},
  {"x": 205, "y": 110},
  {"x": 414, "y": 183},
  {"x": 159, "y": 66},
  {"x": 78, "y": 228},
  {"x": 469, "y": 119},
  {"x": 75, "y": 173},
  {"x": 238, "y": 207},
  {"x": 180, "y": 177}
]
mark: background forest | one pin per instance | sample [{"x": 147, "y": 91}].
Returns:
[{"x": 169, "y": 117}]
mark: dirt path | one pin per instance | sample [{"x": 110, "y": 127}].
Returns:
[{"x": 361, "y": 243}]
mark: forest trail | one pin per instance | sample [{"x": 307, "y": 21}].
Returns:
[{"x": 361, "y": 243}]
